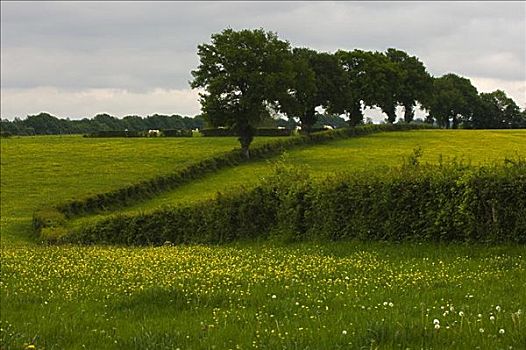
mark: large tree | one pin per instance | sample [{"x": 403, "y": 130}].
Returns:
[
  {"x": 354, "y": 64},
  {"x": 454, "y": 100},
  {"x": 497, "y": 111},
  {"x": 243, "y": 73},
  {"x": 319, "y": 82},
  {"x": 414, "y": 83},
  {"x": 373, "y": 82}
]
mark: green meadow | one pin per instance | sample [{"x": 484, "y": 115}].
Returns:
[
  {"x": 374, "y": 152},
  {"x": 345, "y": 295}
]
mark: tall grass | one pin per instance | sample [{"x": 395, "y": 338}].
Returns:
[{"x": 346, "y": 295}]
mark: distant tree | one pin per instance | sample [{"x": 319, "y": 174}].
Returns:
[
  {"x": 453, "y": 100},
  {"x": 108, "y": 122},
  {"x": 414, "y": 83},
  {"x": 242, "y": 73},
  {"x": 319, "y": 82},
  {"x": 354, "y": 65},
  {"x": 44, "y": 124},
  {"x": 497, "y": 111},
  {"x": 387, "y": 78},
  {"x": 373, "y": 82}
]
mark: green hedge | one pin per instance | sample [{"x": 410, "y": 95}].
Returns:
[
  {"x": 451, "y": 203},
  {"x": 117, "y": 133},
  {"x": 147, "y": 189},
  {"x": 152, "y": 187},
  {"x": 213, "y": 132},
  {"x": 273, "y": 132},
  {"x": 177, "y": 133}
]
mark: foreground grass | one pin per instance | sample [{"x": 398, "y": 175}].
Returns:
[
  {"x": 323, "y": 296},
  {"x": 371, "y": 153}
]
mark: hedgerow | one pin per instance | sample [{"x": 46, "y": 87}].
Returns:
[
  {"x": 152, "y": 187},
  {"x": 445, "y": 203}
]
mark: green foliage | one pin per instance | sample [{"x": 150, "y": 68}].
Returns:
[
  {"x": 116, "y": 133},
  {"x": 319, "y": 82},
  {"x": 149, "y": 188},
  {"x": 454, "y": 100},
  {"x": 217, "y": 132},
  {"x": 273, "y": 132},
  {"x": 497, "y": 111},
  {"x": 424, "y": 203},
  {"x": 46, "y": 124},
  {"x": 177, "y": 133},
  {"x": 243, "y": 73},
  {"x": 414, "y": 83}
]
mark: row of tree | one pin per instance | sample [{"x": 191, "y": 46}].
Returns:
[
  {"x": 248, "y": 75},
  {"x": 46, "y": 124}
]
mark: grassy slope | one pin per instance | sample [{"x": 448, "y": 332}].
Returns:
[
  {"x": 196, "y": 297},
  {"x": 355, "y": 154},
  {"x": 44, "y": 170}
]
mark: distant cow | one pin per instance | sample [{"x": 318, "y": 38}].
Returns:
[{"x": 154, "y": 133}]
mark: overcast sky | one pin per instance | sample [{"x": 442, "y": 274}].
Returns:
[{"x": 77, "y": 59}]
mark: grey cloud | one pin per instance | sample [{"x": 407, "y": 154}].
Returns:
[{"x": 140, "y": 46}]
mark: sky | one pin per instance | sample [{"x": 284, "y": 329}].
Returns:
[{"x": 78, "y": 59}]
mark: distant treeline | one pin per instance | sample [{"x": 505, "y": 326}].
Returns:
[{"x": 46, "y": 124}]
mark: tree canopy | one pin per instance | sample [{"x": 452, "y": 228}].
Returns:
[
  {"x": 497, "y": 111},
  {"x": 454, "y": 99},
  {"x": 243, "y": 73},
  {"x": 318, "y": 82}
]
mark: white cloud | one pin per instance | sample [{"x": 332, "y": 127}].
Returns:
[{"x": 516, "y": 89}]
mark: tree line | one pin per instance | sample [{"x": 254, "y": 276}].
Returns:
[
  {"x": 248, "y": 75},
  {"x": 46, "y": 124}
]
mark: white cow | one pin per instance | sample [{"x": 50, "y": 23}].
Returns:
[{"x": 154, "y": 133}]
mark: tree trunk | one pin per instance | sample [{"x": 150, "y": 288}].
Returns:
[
  {"x": 246, "y": 135},
  {"x": 409, "y": 112},
  {"x": 391, "y": 117},
  {"x": 356, "y": 114},
  {"x": 308, "y": 120},
  {"x": 455, "y": 122},
  {"x": 390, "y": 110}
]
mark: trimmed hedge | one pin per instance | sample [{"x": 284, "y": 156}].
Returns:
[
  {"x": 273, "y": 132},
  {"x": 177, "y": 133},
  {"x": 259, "y": 132},
  {"x": 117, "y": 133},
  {"x": 149, "y": 188},
  {"x": 313, "y": 130},
  {"x": 451, "y": 203},
  {"x": 215, "y": 132}
]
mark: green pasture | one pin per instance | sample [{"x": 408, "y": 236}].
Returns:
[
  {"x": 45, "y": 170},
  {"x": 344, "y": 295},
  {"x": 371, "y": 153}
]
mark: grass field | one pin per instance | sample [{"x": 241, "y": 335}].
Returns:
[
  {"x": 46, "y": 170},
  {"x": 330, "y": 296},
  {"x": 371, "y": 153},
  {"x": 250, "y": 295}
]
